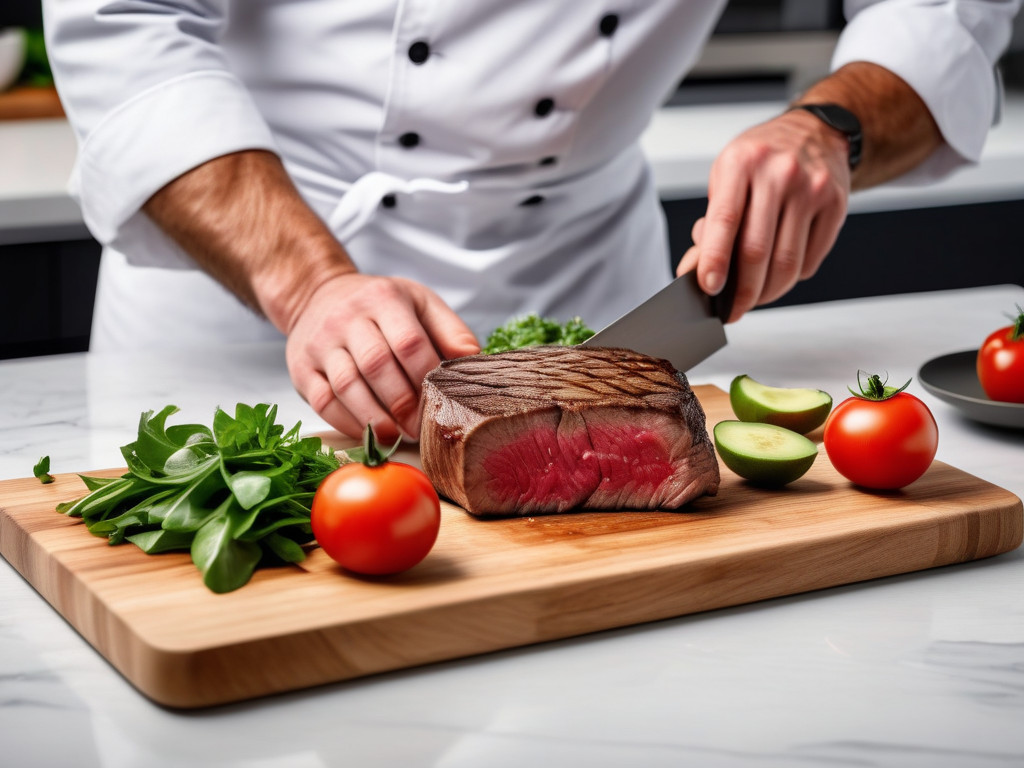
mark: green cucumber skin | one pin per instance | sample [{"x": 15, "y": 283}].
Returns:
[
  {"x": 766, "y": 469},
  {"x": 748, "y": 409}
]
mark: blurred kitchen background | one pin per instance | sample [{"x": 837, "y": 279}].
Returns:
[{"x": 967, "y": 231}]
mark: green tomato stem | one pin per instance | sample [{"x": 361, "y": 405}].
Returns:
[
  {"x": 373, "y": 456},
  {"x": 1018, "y": 325},
  {"x": 876, "y": 389}
]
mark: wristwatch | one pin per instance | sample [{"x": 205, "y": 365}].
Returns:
[{"x": 842, "y": 120}]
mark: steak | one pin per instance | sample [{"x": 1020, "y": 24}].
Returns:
[{"x": 550, "y": 429}]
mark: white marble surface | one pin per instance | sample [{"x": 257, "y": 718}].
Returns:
[
  {"x": 36, "y": 158},
  {"x": 925, "y": 669}
]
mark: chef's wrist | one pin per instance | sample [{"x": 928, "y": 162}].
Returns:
[
  {"x": 830, "y": 139},
  {"x": 898, "y": 129},
  {"x": 282, "y": 293},
  {"x": 840, "y": 120}
]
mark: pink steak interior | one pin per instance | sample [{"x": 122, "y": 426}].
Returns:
[{"x": 544, "y": 467}]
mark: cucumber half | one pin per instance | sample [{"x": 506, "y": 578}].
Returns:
[
  {"x": 764, "y": 453},
  {"x": 800, "y": 410}
]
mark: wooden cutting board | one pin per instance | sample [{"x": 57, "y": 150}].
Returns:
[{"x": 487, "y": 585}]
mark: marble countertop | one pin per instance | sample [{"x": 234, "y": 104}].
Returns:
[
  {"x": 36, "y": 157},
  {"x": 682, "y": 143},
  {"x": 924, "y": 669}
]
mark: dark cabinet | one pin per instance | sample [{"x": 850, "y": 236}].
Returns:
[
  {"x": 47, "y": 292},
  {"x": 881, "y": 253}
]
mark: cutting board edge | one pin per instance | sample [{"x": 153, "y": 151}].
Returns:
[
  {"x": 1002, "y": 520},
  {"x": 154, "y": 672}
]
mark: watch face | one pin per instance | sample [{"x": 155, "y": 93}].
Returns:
[{"x": 840, "y": 118}]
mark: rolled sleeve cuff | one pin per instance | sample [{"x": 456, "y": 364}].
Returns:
[
  {"x": 952, "y": 75},
  {"x": 149, "y": 141}
]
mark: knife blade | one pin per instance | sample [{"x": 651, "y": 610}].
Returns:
[{"x": 679, "y": 323}]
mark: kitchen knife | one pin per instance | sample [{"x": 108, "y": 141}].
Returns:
[{"x": 679, "y": 323}]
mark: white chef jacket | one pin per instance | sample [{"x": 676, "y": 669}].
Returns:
[{"x": 488, "y": 149}]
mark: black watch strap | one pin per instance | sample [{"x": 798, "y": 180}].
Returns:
[{"x": 842, "y": 120}]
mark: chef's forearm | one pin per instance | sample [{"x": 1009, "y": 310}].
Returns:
[
  {"x": 898, "y": 129},
  {"x": 242, "y": 219}
]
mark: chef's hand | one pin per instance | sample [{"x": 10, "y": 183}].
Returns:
[
  {"x": 777, "y": 198},
  {"x": 358, "y": 345},
  {"x": 777, "y": 195},
  {"x": 359, "y": 349}
]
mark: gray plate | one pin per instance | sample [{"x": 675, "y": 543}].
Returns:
[{"x": 954, "y": 379}]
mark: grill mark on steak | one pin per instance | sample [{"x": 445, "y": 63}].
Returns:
[
  {"x": 549, "y": 429},
  {"x": 567, "y": 381}
]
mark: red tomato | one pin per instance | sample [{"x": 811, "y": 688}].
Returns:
[
  {"x": 376, "y": 519},
  {"x": 884, "y": 443},
  {"x": 1001, "y": 363}
]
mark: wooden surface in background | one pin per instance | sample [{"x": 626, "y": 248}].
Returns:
[
  {"x": 25, "y": 103},
  {"x": 487, "y": 585}
]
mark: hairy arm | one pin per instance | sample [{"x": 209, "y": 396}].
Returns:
[
  {"x": 241, "y": 218},
  {"x": 899, "y": 131}
]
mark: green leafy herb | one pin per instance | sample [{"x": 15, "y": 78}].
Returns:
[
  {"x": 42, "y": 470},
  {"x": 235, "y": 496},
  {"x": 36, "y": 71},
  {"x": 533, "y": 331}
]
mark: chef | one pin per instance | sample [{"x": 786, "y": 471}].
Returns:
[{"x": 384, "y": 182}]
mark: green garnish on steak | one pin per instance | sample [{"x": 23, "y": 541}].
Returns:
[{"x": 533, "y": 331}]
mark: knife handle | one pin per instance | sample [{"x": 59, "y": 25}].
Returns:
[{"x": 722, "y": 304}]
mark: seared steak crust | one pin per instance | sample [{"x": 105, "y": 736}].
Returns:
[{"x": 552, "y": 429}]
